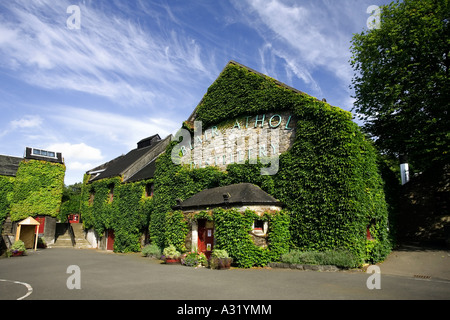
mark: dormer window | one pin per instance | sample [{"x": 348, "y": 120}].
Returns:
[{"x": 43, "y": 153}]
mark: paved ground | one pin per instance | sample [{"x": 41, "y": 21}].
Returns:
[{"x": 406, "y": 274}]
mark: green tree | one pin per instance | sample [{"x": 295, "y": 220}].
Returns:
[
  {"x": 402, "y": 83},
  {"x": 71, "y": 198}
]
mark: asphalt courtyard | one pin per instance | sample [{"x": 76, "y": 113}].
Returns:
[{"x": 89, "y": 274}]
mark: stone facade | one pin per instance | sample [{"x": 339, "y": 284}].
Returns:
[{"x": 248, "y": 138}]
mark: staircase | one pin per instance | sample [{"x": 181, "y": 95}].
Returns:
[{"x": 65, "y": 239}]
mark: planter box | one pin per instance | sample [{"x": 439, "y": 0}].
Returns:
[
  {"x": 172, "y": 261},
  {"x": 17, "y": 254}
]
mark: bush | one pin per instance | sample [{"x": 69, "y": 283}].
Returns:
[
  {"x": 171, "y": 252},
  {"x": 151, "y": 250},
  {"x": 339, "y": 258},
  {"x": 218, "y": 253}
]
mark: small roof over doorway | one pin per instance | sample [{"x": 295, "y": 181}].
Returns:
[
  {"x": 234, "y": 195},
  {"x": 30, "y": 221},
  {"x": 27, "y": 232}
]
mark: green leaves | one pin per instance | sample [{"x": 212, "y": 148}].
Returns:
[
  {"x": 402, "y": 80},
  {"x": 37, "y": 189}
]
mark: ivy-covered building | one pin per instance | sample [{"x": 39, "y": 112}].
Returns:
[
  {"x": 250, "y": 130},
  {"x": 116, "y": 197},
  {"x": 31, "y": 187},
  {"x": 307, "y": 154}
]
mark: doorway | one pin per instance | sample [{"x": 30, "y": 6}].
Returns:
[
  {"x": 205, "y": 242},
  {"x": 110, "y": 239}
]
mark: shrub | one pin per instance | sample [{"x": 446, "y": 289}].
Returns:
[
  {"x": 171, "y": 252},
  {"x": 339, "y": 258},
  {"x": 218, "y": 253},
  {"x": 151, "y": 250}
]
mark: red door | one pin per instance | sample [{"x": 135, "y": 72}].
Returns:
[
  {"x": 110, "y": 239},
  {"x": 205, "y": 237}
]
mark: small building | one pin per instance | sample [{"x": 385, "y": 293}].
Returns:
[{"x": 242, "y": 197}]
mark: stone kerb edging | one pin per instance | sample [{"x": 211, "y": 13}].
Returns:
[{"x": 312, "y": 267}]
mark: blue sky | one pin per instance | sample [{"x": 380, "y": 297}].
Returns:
[{"x": 137, "y": 68}]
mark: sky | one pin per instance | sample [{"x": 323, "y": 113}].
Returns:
[{"x": 91, "y": 78}]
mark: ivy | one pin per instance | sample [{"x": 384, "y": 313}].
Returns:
[
  {"x": 6, "y": 188},
  {"x": 177, "y": 230},
  {"x": 37, "y": 189},
  {"x": 127, "y": 214},
  {"x": 329, "y": 179}
]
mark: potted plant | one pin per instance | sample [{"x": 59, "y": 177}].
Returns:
[
  {"x": 220, "y": 260},
  {"x": 194, "y": 259},
  {"x": 171, "y": 255},
  {"x": 18, "y": 248}
]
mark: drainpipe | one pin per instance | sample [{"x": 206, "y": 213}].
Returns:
[{"x": 404, "y": 168}]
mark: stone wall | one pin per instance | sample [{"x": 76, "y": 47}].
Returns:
[{"x": 263, "y": 137}]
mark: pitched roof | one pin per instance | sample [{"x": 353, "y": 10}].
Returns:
[
  {"x": 234, "y": 63},
  {"x": 9, "y": 165},
  {"x": 136, "y": 164},
  {"x": 237, "y": 194}
]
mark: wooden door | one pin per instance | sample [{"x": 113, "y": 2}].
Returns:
[
  {"x": 205, "y": 237},
  {"x": 110, "y": 239}
]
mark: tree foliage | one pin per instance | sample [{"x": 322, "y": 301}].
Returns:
[{"x": 402, "y": 81}]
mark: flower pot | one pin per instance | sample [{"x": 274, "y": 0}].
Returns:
[
  {"x": 172, "y": 260},
  {"x": 17, "y": 253}
]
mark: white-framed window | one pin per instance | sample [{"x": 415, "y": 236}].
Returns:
[{"x": 43, "y": 153}]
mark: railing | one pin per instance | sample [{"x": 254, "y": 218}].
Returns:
[{"x": 70, "y": 229}]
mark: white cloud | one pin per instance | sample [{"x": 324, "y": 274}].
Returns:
[
  {"x": 79, "y": 151},
  {"x": 28, "y": 121},
  {"x": 111, "y": 128},
  {"x": 109, "y": 56},
  {"x": 306, "y": 35}
]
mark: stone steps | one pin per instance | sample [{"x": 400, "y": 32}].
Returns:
[{"x": 65, "y": 240}]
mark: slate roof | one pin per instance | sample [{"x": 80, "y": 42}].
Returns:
[
  {"x": 138, "y": 164},
  {"x": 9, "y": 165},
  {"x": 238, "y": 195}
]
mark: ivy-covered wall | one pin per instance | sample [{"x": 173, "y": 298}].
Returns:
[
  {"x": 6, "y": 187},
  {"x": 37, "y": 189},
  {"x": 329, "y": 179},
  {"x": 127, "y": 214}
]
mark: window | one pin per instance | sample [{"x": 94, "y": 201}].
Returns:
[
  {"x": 259, "y": 227},
  {"x": 111, "y": 193},
  {"x": 149, "y": 189},
  {"x": 91, "y": 197},
  {"x": 43, "y": 153}
]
